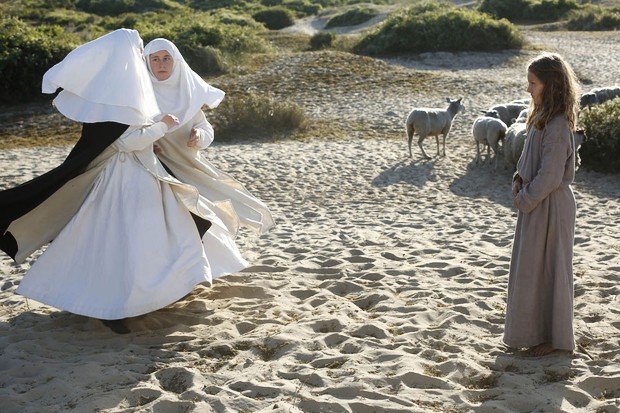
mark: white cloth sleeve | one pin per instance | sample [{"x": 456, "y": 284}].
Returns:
[
  {"x": 206, "y": 133},
  {"x": 138, "y": 138}
]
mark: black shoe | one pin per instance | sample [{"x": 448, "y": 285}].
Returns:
[{"x": 118, "y": 326}]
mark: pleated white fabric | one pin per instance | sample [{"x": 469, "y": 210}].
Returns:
[
  {"x": 132, "y": 248},
  {"x": 229, "y": 198}
]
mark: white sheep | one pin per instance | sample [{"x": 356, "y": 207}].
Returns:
[
  {"x": 522, "y": 116},
  {"x": 432, "y": 121},
  {"x": 515, "y": 140},
  {"x": 598, "y": 96},
  {"x": 508, "y": 112},
  {"x": 488, "y": 131},
  {"x": 513, "y": 143}
]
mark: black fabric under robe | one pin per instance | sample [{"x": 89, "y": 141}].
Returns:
[
  {"x": 18, "y": 201},
  {"x": 202, "y": 225}
]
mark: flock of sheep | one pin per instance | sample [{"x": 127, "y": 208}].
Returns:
[{"x": 501, "y": 129}]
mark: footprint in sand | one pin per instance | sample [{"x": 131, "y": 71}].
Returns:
[
  {"x": 369, "y": 301},
  {"x": 327, "y": 326},
  {"x": 176, "y": 379}
]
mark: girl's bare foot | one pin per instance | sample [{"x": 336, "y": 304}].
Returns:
[{"x": 541, "y": 350}]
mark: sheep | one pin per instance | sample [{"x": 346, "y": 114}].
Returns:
[
  {"x": 598, "y": 96},
  {"x": 587, "y": 100},
  {"x": 488, "y": 130},
  {"x": 432, "y": 121},
  {"x": 513, "y": 143},
  {"x": 515, "y": 140},
  {"x": 524, "y": 101},
  {"x": 508, "y": 112},
  {"x": 604, "y": 94},
  {"x": 522, "y": 116}
]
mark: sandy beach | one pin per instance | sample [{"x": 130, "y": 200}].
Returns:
[{"x": 382, "y": 287}]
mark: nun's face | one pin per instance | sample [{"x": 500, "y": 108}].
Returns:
[{"x": 161, "y": 64}]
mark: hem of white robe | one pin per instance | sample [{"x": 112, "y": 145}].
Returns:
[{"x": 118, "y": 313}]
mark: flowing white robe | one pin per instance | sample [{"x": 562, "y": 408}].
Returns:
[
  {"x": 228, "y": 198},
  {"x": 132, "y": 247}
]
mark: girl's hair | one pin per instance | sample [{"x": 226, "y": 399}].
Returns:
[{"x": 560, "y": 95}]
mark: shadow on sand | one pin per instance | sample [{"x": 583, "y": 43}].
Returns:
[
  {"x": 415, "y": 172},
  {"x": 483, "y": 181}
]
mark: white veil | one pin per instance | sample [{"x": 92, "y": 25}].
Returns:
[{"x": 104, "y": 80}]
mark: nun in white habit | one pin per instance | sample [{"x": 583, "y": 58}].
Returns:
[
  {"x": 182, "y": 92},
  {"x": 126, "y": 234}
]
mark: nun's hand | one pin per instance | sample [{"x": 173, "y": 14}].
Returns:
[
  {"x": 193, "y": 138},
  {"x": 170, "y": 120}
]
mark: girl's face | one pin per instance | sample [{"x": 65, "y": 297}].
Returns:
[
  {"x": 534, "y": 88},
  {"x": 161, "y": 64}
]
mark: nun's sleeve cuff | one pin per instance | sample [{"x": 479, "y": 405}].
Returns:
[{"x": 138, "y": 138}]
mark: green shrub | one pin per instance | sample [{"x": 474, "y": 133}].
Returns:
[
  {"x": 256, "y": 115},
  {"x": 229, "y": 17},
  {"x": 117, "y": 7},
  {"x": 601, "y": 149},
  {"x": 593, "y": 18},
  {"x": 438, "y": 26},
  {"x": 335, "y": 3},
  {"x": 226, "y": 38},
  {"x": 219, "y": 4},
  {"x": 302, "y": 7},
  {"x": 532, "y": 10},
  {"x": 275, "y": 18},
  {"x": 352, "y": 17},
  {"x": 321, "y": 40},
  {"x": 207, "y": 61},
  {"x": 26, "y": 54}
]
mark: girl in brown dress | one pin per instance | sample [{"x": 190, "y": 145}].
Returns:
[{"x": 539, "y": 312}]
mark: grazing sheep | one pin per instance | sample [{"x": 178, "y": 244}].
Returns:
[
  {"x": 587, "y": 100},
  {"x": 598, "y": 96},
  {"x": 432, "y": 121},
  {"x": 508, "y": 112},
  {"x": 489, "y": 131}
]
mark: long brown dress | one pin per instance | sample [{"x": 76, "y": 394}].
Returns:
[{"x": 540, "y": 284}]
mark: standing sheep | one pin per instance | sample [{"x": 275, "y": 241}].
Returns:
[
  {"x": 598, "y": 96},
  {"x": 508, "y": 112},
  {"x": 522, "y": 116},
  {"x": 513, "y": 143},
  {"x": 488, "y": 131},
  {"x": 432, "y": 121}
]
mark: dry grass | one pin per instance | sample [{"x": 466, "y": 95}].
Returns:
[{"x": 35, "y": 125}]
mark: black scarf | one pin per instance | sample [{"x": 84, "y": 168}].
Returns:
[{"x": 18, "y": 201}]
